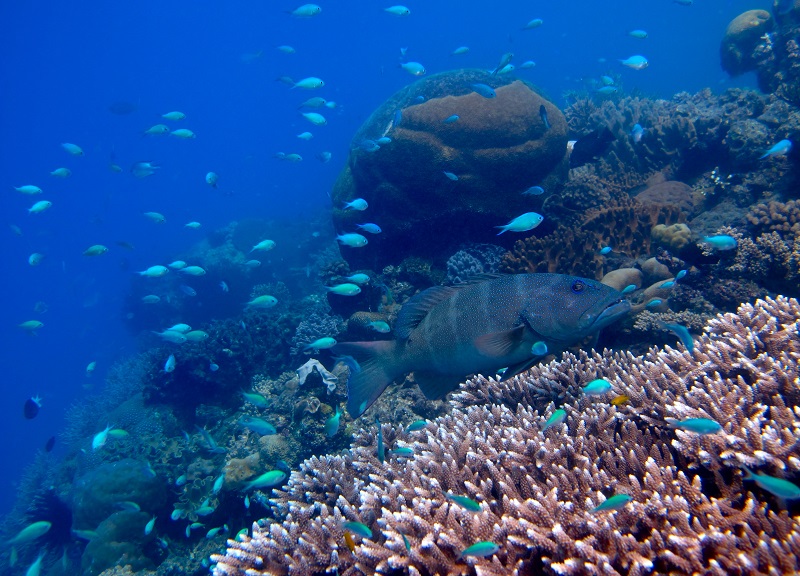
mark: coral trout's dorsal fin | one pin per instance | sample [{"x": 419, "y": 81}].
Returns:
[
  {"x": 415, "y": 310},
  {"x": 500, "y": 344}
]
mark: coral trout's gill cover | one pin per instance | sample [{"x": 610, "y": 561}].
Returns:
[{"x": 448, "y": 332}]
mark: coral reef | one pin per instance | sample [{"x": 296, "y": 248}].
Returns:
[
  {"x": 120, "y": 538},
  {"x": 741, "y": 38},
  {"x": 96, "y": 495},
  {"x": 626, "y": 226},
  {"x": 773, "y": 216},
  {"x": 316, "y": 325},
  {"x": 537, "y": 490},
  {"x": 495, "y": 150},
  {"x": 472, "y": 260}
]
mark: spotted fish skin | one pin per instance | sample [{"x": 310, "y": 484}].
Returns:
[{"x": 448, "y": 332}]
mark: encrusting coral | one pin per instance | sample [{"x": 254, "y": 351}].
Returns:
[{"x": 537, "y": 489}]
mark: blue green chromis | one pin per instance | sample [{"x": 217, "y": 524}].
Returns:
[
  {"x": 482, "y": 549},
  {"x": 464, "y": 502},
  {"x": 597, "y": 387},
  {"x": 615, "y": 502},
  {"x": 682, "y": 333},
  {"x": 779, "y": 487},
  {"x": 696, "y": 425},
  {"x": 358, "y": 528},
  {"x": 556, "y": 418}
]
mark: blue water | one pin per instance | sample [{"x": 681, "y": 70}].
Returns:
[{"x": 65, "y": 63}]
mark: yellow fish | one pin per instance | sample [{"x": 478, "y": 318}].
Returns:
[
  {"x": 348, "y": 539},
  {"x": 620, "y": 400}
]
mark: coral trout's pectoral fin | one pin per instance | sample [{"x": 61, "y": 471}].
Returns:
[
  {"x": 500, "y": 344},
  {"x": 435, "y": 385},
  {"x": 378, "y": 369},
  {"x": 515, "y": 369}
]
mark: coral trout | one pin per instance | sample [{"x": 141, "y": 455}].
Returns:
[{"x": 448, "y": 332}]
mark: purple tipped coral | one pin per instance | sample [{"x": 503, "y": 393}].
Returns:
[{"x": 537, "y": 490}]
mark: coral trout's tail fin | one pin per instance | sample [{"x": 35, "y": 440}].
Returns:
[{"x": 379, "y": 365}]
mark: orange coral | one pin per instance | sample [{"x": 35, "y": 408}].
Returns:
[{"x": 626, "y": 225}]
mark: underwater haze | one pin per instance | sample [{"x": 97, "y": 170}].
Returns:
[{"x": 101, "y": 75}]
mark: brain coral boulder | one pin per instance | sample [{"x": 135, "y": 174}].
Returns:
[
  {"x": 741, "y": 39},
  {"x": 455, "y": 166}
]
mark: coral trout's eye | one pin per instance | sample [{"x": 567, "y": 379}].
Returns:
[{"x": 578, "y": 286}]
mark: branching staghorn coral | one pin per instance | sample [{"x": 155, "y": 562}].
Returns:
[{"x": 537, "y": 490}]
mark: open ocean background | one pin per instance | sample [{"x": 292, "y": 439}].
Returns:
[{"x": 64, "y": 64}]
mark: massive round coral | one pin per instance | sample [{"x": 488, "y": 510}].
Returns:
[
  {"x": 741, "y": 39},
  {"x": 443, "y": 181}
]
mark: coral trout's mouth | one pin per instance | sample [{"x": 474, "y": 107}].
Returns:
[{"x": 611, "y": 314}]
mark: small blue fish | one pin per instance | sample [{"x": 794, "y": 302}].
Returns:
[
  {"x": 615, "y": 502},
  {"x": 637, "y": 133},
  {"x": 680, "y": 275},
  {"x": 383, "y": 140},
  {"x": 169, "y": 365},
  {"x": 369, "y": 145},
  {"x": 402, "y": 451},
  {"x": 481, "y": 549},
  {"x": 556, "y": 418},
  {"x": 332, "y": 423},
  {"x": 451, "y": 119},
  {"x": 667, "y": 284},
  {"x": 218, "y": 484},
  {"x": 149, "y": 526},
  {"x": 419, "y": 98},
  {"x": 653, "y": 303},
  {"x": 597, "y": 387},
  {"x": 406, "y": 543},
  {"x": 357, "y": 204},
  {"x": 464, "y": 501},
  {"x": 379, "y": 326},
  {"x": 682, "y": 333},
  {"x": 629, "y": 288},
  {"x": 213, "y": 367},
  {"x": 721, "y": 242},
  {"x": 451, "y": 176},
  {"x": 697, "y": 425},
  {"x": 398, "y": 117},
  {"x": 257, "y": 425},
  {"x": 640, "y": 34},
  {"x": 379, "y": 441},
  {"x": 607, "y": 90},
  {"x": 534, "y": 191},
  {"x": 358, "y": 528},
  {"x": 605, "y": 250},
  {"x": 370, "y": 227},
  {"x": 543, "y": 116},
  {"x": 416, "y": 425},
  {"x": 539, "y": 348},
  {"x": 779, "y": 487},
  {"x": 636, "y": 62},
  {"x": 358, "y": 278},
  {"x": 522, "y": 223},
  {"x": 782, "y": 148},
  {"x": 484, "y": 90}
]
